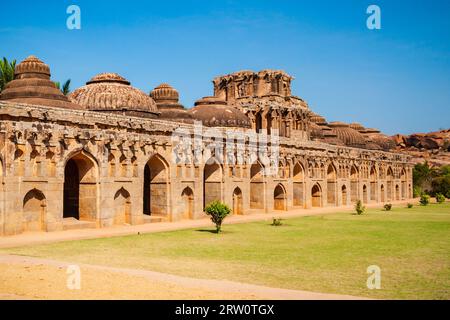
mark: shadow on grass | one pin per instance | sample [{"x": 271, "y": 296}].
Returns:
[{"x": 213, "y": 231}]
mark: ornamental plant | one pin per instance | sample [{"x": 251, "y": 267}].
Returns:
[
  {"x": 359, "y": 208},
  {"x": 424, "y": 199},
  {"x": 440, "y": 198},
  {"x": 388, "y": 206},
  {"x": 217, "y": 211}
]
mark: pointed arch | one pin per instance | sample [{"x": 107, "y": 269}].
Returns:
[
  {"x": 34, "y": 211},
  {"x": 156, "y": 186},
  {"x": 373, "y": 183},
  {"x": 316, "y": 195},
  {"x": 365, "y": 194},
  {"x": 390, "y": 183},
  {"x": 257, "y": 185},
  {"x": 237, "y": 201},
  {"x": 403, "y": 181},
  {"x": 354, "y": 183},
  {"x": 331, "y": 184},
  {"x": 279, "y": 197},
  {"x": 188, "y": 198},
  {"x": 122, "y": 207},
  {"x": 298, "y": 179},
  {"x": 212, "y": 181},
  {"x": 80, "y": 186},
  {"x": 344, "y": 195}
]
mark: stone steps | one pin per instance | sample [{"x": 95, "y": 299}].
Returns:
[
  {"x": 154, "y": 218},
  {"x": 72, "y": 224}
]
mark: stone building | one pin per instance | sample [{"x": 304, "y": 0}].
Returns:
[{"x": 104, "y": 155}]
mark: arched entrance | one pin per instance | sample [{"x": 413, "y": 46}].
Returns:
[
  {"x": 373, "y": 184},
  {"x": 354, "y": 177},
  {"x": 237, "y": 201},
  {"x": 156, "y": 186},
  {"x": 331, "y": 185},
  {"x": 279, "y": 198},
  {"x": 382, "y": 194},
  {"x": 344, "y": 195},
  {"x": 403, "y": 182},
  {"x": 212, "y": 182},
  {"x": 397, "y": 192},
  {"x": 80, "y": 188},
  {"x": 188, "y": 199},
  {"x": 298, "y": 178},
  {"x": 34, "y": 208},
  {"x": 316, "y": 196},
  {"x": 390, "y": 184},
  {"x": 256, "y": 186},
  {"x": 122, "y": 207},
  {"x": 365, "y": 195}
]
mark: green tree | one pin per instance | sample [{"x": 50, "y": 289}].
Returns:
[
  {"x": 218, "y": 212},
  {"x": 65, "y": 89},
  {"x": 6, "y": 72}
]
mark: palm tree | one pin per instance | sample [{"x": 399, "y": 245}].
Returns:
[
  {"x": 6, "y": 72},
  {"x": 65, "y": 87}
]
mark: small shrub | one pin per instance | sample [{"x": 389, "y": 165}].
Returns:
[
  {"x": 409, "y": 205},
  {"x": 388, "y": 207},
  {"x": 218, "y": 212},
  {"x": 276, "y": 222},
  {"x": 359, "y": 208},
  {"x": 417, "y": 191},
  {"x": 440, "y": 198},
  {"x": 424, "y": 199}
]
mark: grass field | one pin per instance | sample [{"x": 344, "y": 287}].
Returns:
[{"x": 328, "y": 253}]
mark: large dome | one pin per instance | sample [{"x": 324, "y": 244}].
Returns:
[
  {"x": 349, "y": 136},
  {"x": 215, "y": 112},
  {"x": 32, "y": 85},
  {"x": 110, "y": 92},
  {"x": 385, "y": 142}
]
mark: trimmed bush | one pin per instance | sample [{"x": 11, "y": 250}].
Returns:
[
  {"x": 217, "y": 212},
  {"x": 409, "y": 205},
  {"x": 440, "y": 198},
  {"x": 359, "y": 208},
  {"x": 388, "y": 207},
  {"x": 424, "y": 199},
  {"x": 276, "y": 222}
]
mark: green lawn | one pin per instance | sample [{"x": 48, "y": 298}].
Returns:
[{"x": 328, "y": 253}]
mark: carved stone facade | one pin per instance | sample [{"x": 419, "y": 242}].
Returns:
[{"x": 64, "y": 167}]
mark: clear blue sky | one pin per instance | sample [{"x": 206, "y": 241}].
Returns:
[{"x": 396, "y": 79}]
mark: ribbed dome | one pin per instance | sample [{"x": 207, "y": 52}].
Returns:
[
  {"x": 164, "y": 93},
  {"x": 385, "y": 142},
  {"x": 32, "y": 85},
  {"x": 349, "y": 136},
  {"x": 357, "y": 126},
  {"x": 316, "y": 118},
  {"x": 166, "y": 98},
  {"x": 215, "y": 112},
  {"x": 111, "y": 92}
]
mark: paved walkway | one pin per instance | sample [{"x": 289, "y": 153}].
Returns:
[
  {"x": 210, "y": 288},
  {"x": 33, "y": 238}
]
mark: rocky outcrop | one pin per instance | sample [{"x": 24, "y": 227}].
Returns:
[{"x": 433, "y": 147}]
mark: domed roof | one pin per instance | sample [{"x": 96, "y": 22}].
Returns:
[
  {"x": 385, "y": 142},
  {"x": 316, "y": 118},
  {"x": 111, "y": 92},
  {"x": 349, "y": 136},
  {"x": 164, "y": 93},
  {"x": 215, "y": 112},
  {"x": 357, "y": 126},
  {"x": 166, "y": 98},
  {"x": 32, "y": 85}
]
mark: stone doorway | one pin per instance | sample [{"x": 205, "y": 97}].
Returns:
[
  {"x": 279, "y": 198},
  {"x": 122, "y": 207},
  {"x": 188, "y": 199},
  {"x": 34, "y": 210},
  {"x": 80, "y": 188},
  {"x": 237, "y": 202},
  {"x": 316, "y": 196}
]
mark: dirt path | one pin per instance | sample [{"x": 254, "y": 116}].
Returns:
[
  {"x": 32, "y": 238},
  {"x": 35, "y": 278}
]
